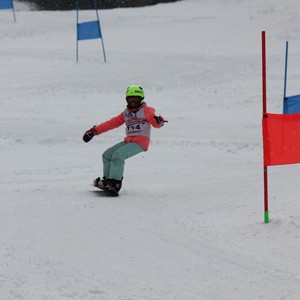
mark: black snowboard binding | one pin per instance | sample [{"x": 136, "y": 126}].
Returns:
[
  {"x": 101, "y": 183},
  {"x": 114, "y": 185},
  {"x": 110, "y": 186}
]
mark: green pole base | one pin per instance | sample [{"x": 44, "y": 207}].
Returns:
[{"x": 266, "y": 215}]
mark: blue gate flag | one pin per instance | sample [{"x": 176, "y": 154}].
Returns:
[
  {"x": 88, "y": 30},
  {"x": 291, "y": 105},
  {"x": 8, "y": 4}
]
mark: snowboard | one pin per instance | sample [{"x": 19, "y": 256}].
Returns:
[{"x": 107, "y": 192}]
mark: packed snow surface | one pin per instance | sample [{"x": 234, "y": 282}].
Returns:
[{"x": 189, "y": 220}]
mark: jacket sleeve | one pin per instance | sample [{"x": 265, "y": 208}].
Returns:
[
  {"x": 149, "y": 115},
  {"x": 110, "y": 124}
]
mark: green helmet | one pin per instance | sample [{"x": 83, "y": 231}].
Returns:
[{"x": 135, "y": 91}]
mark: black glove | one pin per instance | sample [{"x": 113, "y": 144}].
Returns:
[
  {"x": 159, "y": 120},
  {"x": 88, "y": 135}
]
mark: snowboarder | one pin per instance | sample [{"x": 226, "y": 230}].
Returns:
[{"x": 138, "y": 118}]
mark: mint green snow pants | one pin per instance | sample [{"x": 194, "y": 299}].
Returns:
[{"x": 114, "y": 159}]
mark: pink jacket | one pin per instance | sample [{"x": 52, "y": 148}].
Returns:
[{"x": 137, "y": 125}]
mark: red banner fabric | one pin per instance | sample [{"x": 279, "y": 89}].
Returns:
[{"x": 281, "y": 139}]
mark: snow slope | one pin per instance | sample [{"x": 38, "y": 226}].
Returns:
[{"x": 189, "y": 221}]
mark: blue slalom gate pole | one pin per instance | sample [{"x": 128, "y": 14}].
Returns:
[
  {"x": 285, "y": 68},
  {"x": 13, "y": 9},
  {"x": 77, "y": 18},
  {"x": 102, "y": 42}
]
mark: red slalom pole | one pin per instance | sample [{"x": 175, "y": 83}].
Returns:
[
  {"x": 264, "y": 72},
  {"x": 264, "y": 102}
]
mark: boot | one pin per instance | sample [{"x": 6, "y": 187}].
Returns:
[{"x": 114, "y": 184}]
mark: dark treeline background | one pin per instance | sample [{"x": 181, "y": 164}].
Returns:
[{"x": 89, "y": 4}]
